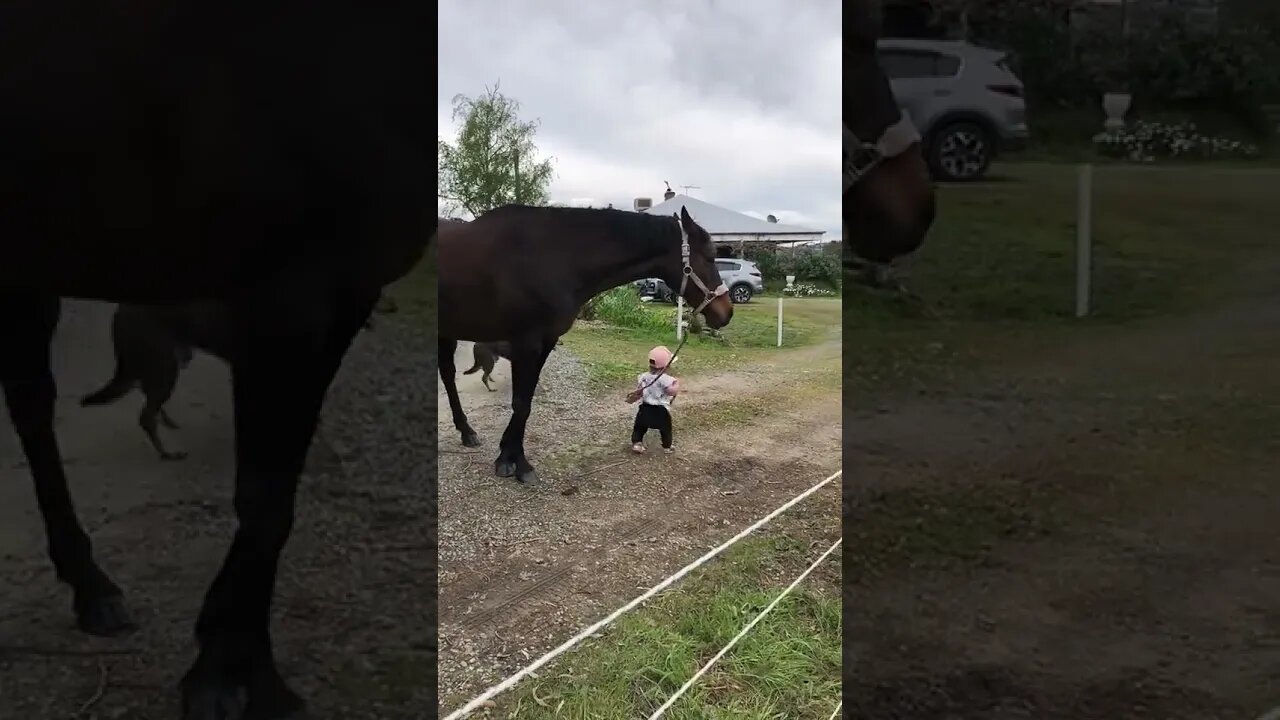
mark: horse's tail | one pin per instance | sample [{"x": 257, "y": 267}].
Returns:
[{"x": 115, "y": 389}]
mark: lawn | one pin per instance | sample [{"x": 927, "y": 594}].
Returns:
[
  {"x": 999, "y": 262},
  {"x": 415, "y": 293},
  {"x": 787, "y": 666},
  {"x": 614, "y": 355}
]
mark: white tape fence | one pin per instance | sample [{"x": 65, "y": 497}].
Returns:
[
  {"x": 741, "y": 634},
  {"x": 567, "y": 645}
]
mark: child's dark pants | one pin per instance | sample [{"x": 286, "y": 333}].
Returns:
[{"x": 652, "y": 417}]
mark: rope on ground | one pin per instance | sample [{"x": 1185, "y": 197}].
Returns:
[
  {"x": 742, "y": 633},
  {"x": 837, "y": 711},
  {"x": 593, "y": 629}
]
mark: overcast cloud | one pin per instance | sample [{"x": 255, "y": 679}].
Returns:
[{"x": 739, "y": 97}]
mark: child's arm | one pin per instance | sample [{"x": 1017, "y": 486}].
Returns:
[{"x": 635, "y": 394}]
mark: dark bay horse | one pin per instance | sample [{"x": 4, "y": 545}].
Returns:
[
  {"x": 521, "y": 274},
  {"x": 273, "y": 156},
  {"x": 888, "y": 203}
]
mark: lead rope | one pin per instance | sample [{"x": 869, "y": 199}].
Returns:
[{"x": 707, "y": 297}]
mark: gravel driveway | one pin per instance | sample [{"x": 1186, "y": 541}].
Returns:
[{"x": 354, "y": 607}]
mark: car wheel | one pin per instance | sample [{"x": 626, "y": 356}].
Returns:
[
  {"x": 740, "y": 294},
  {"x": 960, "y": 151}
]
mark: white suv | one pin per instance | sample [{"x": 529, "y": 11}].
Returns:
[
  {"x": 742, "y": 277},
  {"x": 964, "y": 99}
]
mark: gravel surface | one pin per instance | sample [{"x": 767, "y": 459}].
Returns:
[
  {"x": 354, "y": 610},
  {"x": 525, "y": 568}
]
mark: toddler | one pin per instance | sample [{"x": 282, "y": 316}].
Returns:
[{"x": 655, "y": 390}]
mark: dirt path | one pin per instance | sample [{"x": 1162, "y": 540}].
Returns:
[
  {"x": 351, "y": 624},
  {"x": 1084, "y": 530},
  {"x": 524, "y": 568}
]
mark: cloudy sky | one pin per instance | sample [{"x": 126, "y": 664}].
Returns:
[{"x": 739, "y": 97}]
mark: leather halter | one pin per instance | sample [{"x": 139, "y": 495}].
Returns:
[
  {"x": 860, "y": 158},
  {"x": 685, "y": 255}
]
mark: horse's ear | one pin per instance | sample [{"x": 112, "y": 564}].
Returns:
[{"x": 685, "y": 218}]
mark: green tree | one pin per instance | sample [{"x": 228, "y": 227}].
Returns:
[{"x": 493, "y": 161}]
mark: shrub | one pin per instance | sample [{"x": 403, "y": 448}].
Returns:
[
  {"x": 1166, "y": 58},
  {"x": 820, "y": 266},
  {"x": 773, "y": 265},
  {"x": 622, "y": 307}
]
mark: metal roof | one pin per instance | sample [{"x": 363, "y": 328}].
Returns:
[{"x": 720, "y": 222}]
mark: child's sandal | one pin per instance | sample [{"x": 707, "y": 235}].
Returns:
[{"x": 637, "y": 448}]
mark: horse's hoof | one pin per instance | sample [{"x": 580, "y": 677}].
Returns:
[
  {"x": 504, "y": 468},
  {"x": 527, "y": 477},
  {"x": 213, "y": 704},
  {"x": 229, "y": 703},
  {"x": 470, "y": 440},
  {"x": 276, "y": 702},
  {"x": 104, "y": 617}
]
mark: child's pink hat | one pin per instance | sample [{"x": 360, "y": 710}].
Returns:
[{"x": 660, "y": 356}]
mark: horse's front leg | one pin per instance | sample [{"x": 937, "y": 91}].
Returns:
[
  {"x": 446, "y": 349},
  {"x": 27, "y": 322},
  {"x": 527, "y": 359},
  {"x": 284, "y": 361}
]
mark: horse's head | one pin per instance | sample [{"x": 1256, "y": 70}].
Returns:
[
  {"x": 699, "y": 280},
  {"x": 888, "y": 201}
]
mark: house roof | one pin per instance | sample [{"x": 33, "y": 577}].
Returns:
[{"x": 721, "y": 222}]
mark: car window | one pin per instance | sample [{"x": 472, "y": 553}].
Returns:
[
  {"x": 726, "y": 266},
  {"x": 947, "y": 66},
  {"x": 899, "y": 64}
]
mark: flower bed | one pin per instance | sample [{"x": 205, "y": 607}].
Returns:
[{"x": 1151, "y": 141}]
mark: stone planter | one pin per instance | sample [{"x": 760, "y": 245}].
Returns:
[{"x": 1115, "y": 105}]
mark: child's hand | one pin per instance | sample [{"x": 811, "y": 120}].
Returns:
[
  {"x": 633, "y": 396},
  {"x": 674, "y": 388}
]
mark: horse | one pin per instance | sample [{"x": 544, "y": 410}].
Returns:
[
  {"x": 273, "y": 157},
  {"x": 520, "y": 274},
  {"x": 888, "y": 204}
]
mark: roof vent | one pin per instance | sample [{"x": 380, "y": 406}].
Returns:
[{"x": 772, "y": 219}]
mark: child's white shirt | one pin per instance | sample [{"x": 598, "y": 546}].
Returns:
[{"x": 656, "y": 393}]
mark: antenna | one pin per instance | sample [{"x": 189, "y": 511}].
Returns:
[{"x": 687, "y": 188}]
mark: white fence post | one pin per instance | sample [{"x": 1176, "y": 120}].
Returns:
[
  {"x": 679, "y": 317},
  {"x": 790, "y": 281},
  {"x": 779, "y": 321},
  {"x": 1084, "y": 238}
]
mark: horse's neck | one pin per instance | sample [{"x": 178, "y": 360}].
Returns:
[{"x": 619, "y": 268}]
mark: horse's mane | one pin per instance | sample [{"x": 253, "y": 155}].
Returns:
[{"x": 632, "y": 227}]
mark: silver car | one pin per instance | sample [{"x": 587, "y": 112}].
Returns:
[
  {"x": 742, "y": 277},
  {"x": 964, "y": 99}
]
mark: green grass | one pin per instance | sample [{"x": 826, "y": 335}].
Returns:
[
  {"x": 788, "y": 666},
  {"x": 614, "y": 355},
  {"x": 1000, "y": 261},
  {"x": 415, "y": 293},
  {"x": 1142, "y": 453}
]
